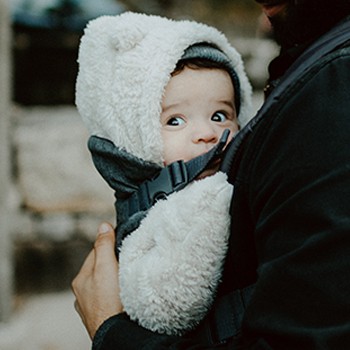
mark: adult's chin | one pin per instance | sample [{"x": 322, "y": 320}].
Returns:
[{"x": 273, "y": 8}]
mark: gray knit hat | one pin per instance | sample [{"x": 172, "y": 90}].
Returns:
[{"x": 212, "y": 53}]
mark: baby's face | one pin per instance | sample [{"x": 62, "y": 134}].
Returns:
[{"x": 198, "y": 105}]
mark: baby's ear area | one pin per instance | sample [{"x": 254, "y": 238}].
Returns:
[
  {"x": 122, "y": 32},
  {"x": 127, "y": 32}
]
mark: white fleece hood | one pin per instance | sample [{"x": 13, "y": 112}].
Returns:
[{"x": 125, "y": 63}]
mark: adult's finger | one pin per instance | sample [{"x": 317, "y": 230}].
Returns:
[{"x": 104, "y": 248}]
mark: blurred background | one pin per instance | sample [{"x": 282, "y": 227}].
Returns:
[{"x": 51, "y": 198}]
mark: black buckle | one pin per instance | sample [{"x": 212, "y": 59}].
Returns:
[{"x": 172, "y": 178}]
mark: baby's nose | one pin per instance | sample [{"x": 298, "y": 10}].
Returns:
[{"x": 206, "y": 134}]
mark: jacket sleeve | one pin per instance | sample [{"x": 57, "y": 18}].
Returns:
[
  {"x": 119, "y": 332},
  {"x": 299, "y": 197}
]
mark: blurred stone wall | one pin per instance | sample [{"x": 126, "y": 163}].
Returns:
[{"x": 57, "y": 197}]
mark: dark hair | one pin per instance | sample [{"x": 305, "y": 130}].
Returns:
[
  {"x": 208, "y": 56},
  {"x": 198, "y": 63}
]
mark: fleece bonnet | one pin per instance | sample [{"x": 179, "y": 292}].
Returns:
[{"x": 125, "y": 63}]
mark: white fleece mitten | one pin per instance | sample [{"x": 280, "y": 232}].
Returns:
[{"x": 171, "y": 265}]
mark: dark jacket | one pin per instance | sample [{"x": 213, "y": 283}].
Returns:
[{"x": 290, "y": 224}]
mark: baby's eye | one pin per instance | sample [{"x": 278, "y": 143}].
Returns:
[
  {"x": 219, "y": 117},
  {"x": 175, "y": 121}
]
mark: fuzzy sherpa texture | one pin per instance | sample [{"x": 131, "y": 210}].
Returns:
[
  {"x": 125, "y": 63},
  {"x": 171, "y": 265}
]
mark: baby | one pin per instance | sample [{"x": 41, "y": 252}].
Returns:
[{"x": 157, "y": 95}]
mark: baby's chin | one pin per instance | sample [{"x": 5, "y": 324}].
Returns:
[{"x": 209, "y": 172}]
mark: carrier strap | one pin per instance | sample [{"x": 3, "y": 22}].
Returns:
[
  {"x": 324, "y": 45},
  {"x": 229, "y": 313}
]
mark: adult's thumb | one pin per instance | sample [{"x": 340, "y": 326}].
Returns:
[
  {"x": 105, "y": 228},
  {"x": 105, "y": 240}
]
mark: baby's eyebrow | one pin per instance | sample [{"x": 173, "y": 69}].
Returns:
[
  {"x": 164, "y": 109},
  {"x": 171, "y": 106},
  {"x": 229, "y": 103}
]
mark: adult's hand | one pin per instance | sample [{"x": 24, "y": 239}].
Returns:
[{"x": 96, "y": 287}]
